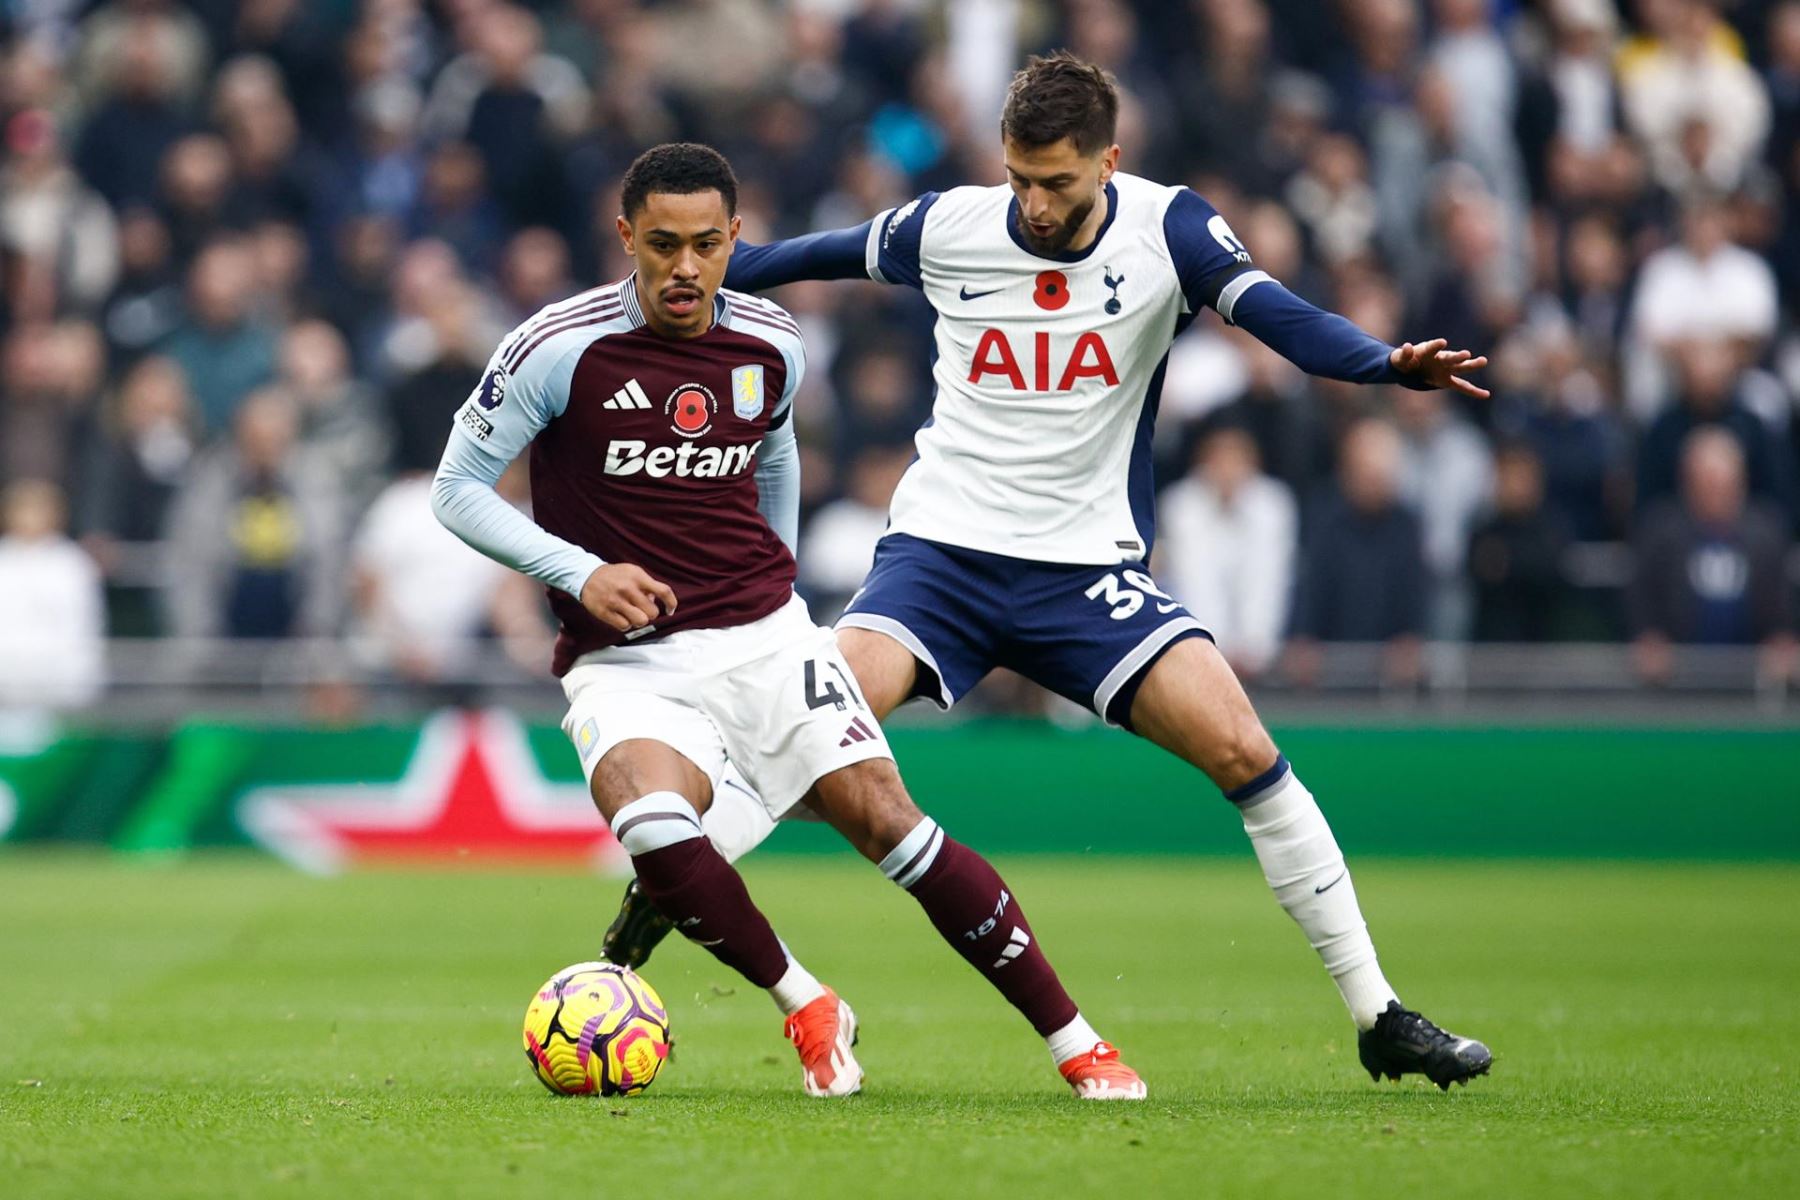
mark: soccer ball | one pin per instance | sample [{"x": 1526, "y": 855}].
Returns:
[{"x": 596, "y": 1027}]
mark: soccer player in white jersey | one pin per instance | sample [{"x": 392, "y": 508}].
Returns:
[{"x": 1021, "y": 536}]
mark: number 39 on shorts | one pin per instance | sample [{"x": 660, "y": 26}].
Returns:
[{"x": 1125, "y": 599}]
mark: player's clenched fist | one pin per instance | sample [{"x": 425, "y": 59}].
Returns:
[{"x": 625, "y": 597}]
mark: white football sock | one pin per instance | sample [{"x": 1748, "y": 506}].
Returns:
[
  {"x": 796, "y": 988},
  {"x": 1305, "y": 869},
  {"x": 737, "y": 822},
  {"x": 1072, "y": 1040}
]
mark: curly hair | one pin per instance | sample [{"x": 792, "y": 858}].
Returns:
[{"x": 677, "y": 168}]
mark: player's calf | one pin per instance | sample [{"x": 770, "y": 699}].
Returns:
[
  {"x": 681, "y": 873},
  {"x": 1191, "y": 704},
  {"x": 974, "y": 910},
  {"x": 697, "y": 891},
  {"x": 683, "y": 876},
  {"x": 735, "y": 823}
]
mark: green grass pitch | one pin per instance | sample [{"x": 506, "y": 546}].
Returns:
[{"x": 225, "y": 1027}]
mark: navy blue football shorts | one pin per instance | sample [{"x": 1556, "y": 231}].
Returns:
[{"x": 1088, "y": 633}]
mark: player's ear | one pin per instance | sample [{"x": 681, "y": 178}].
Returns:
[
  {"x": 733, "y": 228},
  {"x": 1109, "y": 162},
  {"x": 625, "y": 236}
]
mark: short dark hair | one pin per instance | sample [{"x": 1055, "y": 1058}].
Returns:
[
  {"x": 680, "y": 169},
  {"x": 1059, "y": 96}
]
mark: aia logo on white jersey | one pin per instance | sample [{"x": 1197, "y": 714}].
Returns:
[{"x": 1055, "y": 363}]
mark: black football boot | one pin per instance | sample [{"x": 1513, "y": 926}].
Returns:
[
  {"x": 638, "y": 929},
  {"x": 1405, "y": 1043}
]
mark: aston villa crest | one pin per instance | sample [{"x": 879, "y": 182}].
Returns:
[{"x": 747, "y": 391}]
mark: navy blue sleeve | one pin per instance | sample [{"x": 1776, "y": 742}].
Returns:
[
  {"x": 1318, "y": 342},
  {"x": 885, "y": 249},
  {"x": 894, "y": 258},
  {"x": 1216, "y": 272},
  {"x": 835, "y": 254},
  {"x": 1207, "y": 254}
]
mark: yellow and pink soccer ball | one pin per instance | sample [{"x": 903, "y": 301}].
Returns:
[{"x": 596, "y": 1028}]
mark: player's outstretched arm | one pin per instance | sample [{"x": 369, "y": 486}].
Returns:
[
  {"x": 885, "y": 250},
  {"x": 834, "y": 254},
  {"x": 1326, "y": 344},
  {"x": 1216, "y": 272}
]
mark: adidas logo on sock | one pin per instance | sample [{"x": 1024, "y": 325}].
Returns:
[
  {"x": 629, "y": 396},
  {"x": 1020, "y": 940},
  {"x": 858, "y": 732}
]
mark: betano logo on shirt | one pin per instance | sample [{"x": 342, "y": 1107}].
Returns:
[{"x": 629, "y": 456}]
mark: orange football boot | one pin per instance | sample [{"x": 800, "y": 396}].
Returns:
[
  {"x": 1099, "y": 1075},
  {"x": 823, "y": 1032}
]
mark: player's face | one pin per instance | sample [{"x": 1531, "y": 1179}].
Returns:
[
  {"x": 682, "y": 244},
  {"x": 1059, "y": 190}
]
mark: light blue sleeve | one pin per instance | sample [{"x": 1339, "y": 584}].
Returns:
[
  {"x": 778, "y": 463},
  {"x": 492, "y": 428},
  {"x": 778, "y": 484}
]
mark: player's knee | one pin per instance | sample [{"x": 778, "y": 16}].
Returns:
[
  {"x": 611, "y": 786},
  {"x": 869, "y": 805},
  {"x": 888, "y": 812},
  {"x": 1243, "y": 753},
  {"x": 636, "y": 768}
]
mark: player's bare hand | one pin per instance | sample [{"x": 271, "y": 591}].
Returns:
[
  {"x": 625, "y": 597},
  {"x": 1436, "y": 364}
]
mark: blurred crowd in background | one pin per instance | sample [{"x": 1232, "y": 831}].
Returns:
[{"x": 253, "y": 255}]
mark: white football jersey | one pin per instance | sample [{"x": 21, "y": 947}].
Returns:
[{"x": 1048, "y": 370}]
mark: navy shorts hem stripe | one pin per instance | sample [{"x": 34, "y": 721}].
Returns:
[
  {"x": 1083, "y": 631},
  {"x": 877, "y": 623},
  {"x": 1139, "y": 660},
  {"x": 1118, "y": 708}
]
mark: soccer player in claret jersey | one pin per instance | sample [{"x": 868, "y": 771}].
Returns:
[
  {"x": 1021, "y": 536},
  {"x": 664, "y": 478}
]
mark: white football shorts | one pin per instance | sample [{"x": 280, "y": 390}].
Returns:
[{"x": 774, "y": 697}]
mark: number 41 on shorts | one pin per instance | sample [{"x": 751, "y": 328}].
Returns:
[{"x": 817, "y": 697}]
